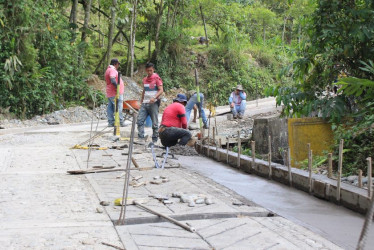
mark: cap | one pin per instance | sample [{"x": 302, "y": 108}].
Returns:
[
  {"x": 180, "y": 98},
  {"x": 239, "y": 87},
  {"x": 114, "y": 61}
]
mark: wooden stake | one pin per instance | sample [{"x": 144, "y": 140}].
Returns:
[
  {"x": 214, "y": 135},
  {"x": 227, "y": 150},
  {"x": 253, "y": 148},
  {"x": 269, "y": 158},
  {"x": 310, "y": 163},
  {"x": 370, "y": 178},
  {"x": 340, "y": 167},
  {"x": 239, "y": 149},
  {"x": 215, "y": 124},
  {"x": 289, "y": 166},
  {"x": 208, "y": 138},
  {"x": 329, "y": 173},
  {"x": 360, "y": 178},
  {"x": 220, "y": 143},
  {"x": 216, "y": 153}
]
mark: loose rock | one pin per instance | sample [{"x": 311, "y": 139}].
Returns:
[{"x": 104, "y": 203}]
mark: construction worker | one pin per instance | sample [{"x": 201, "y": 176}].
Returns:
[
  {"x": 173, "y": 129},
  {"x": 111, "y": 79},
  {"x": 192, "y": 102},
  {"x": 152, "y": 90},
  {"x": 237, "y": 102}
]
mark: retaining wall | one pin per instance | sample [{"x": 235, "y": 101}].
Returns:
[{"x": 351, "y": 197}]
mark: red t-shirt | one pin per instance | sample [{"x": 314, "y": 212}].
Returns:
[
  {"x": 174, "y": 116},
  {"x": 111, "y": 91},
  {"x": 151, "y": 86}
]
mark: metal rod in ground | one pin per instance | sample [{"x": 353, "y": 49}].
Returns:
[
  {"x": 227, "y": 149},
  {"x": 360, "y": 178},
  {"x": 370, "y": 182},
  {"x": 253, "y": 148},
  {"x": 329, "y": 171},
  {"x": 91, "y": 139},
  {"x": 289, "y": 166},
  {"x": 310, "y": 164},
  {"x": 122, "y": 216},
  {"x": 239, "y": 150},
  {"x": 365, "y": 229},
  {"x": 184, "y": 226},
  {"x": 269, "y": 157},
  {"x": 340, "y": 167}
]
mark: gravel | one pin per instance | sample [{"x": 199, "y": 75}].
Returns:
[{"x": 183, "y": 150}]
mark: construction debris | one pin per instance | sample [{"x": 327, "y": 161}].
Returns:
[{"x": 104, "y": 203}]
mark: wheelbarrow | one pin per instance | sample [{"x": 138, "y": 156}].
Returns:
[{"x": 129, "y": 107}]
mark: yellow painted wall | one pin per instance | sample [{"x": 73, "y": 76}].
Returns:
[{"x": 302, "y": 131}]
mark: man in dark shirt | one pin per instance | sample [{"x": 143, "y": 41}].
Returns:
[{"x": 173, "y": 129}]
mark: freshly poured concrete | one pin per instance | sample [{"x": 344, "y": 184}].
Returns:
[{"x": 335, "y": 223}]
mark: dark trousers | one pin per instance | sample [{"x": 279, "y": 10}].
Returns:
[
  {"x": 151, "y": 110},
  {"x": 172, "y": 136}
]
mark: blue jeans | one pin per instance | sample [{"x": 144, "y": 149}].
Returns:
[
  {"x": 111, "y": 109},
  {"x": 239, "y": 109},
  {"x": 151, "y": 110},
  {"x": 191, "y": 103}
]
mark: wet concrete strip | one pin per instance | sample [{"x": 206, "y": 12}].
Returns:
[{"x": 333, "y": 222}]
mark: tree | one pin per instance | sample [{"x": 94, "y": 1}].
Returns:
[
  {"x": 264, "y": 18},
  {"x": 111, "y": 29}
]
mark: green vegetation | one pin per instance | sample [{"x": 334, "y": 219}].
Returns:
[
  {"x": 49, "y": 48},
  {"x": 338, "y": 50}
]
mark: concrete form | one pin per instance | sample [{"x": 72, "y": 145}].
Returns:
[{"x": 322, "y": 187}]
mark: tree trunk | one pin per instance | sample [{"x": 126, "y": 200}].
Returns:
[
  {"x": 105, "y": 54},
  {"x": 133, "y": 37},
  {"x": 206, "y": 33},
  {"x": 175, "y": 12},
  {"x": 284, "y": 28},
  {"x": 149, "y": 48},
  {"x": 111, "y": 30},
  {"x": 87, "y": 11},
  {"x": 168, "y": 16},
  {"x": 159, "y": 10},
  {"x": 263, "y": 27}
]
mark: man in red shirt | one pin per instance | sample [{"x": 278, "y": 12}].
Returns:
[
  {"x": 173, "y": 127},
  {"x": 152, "y": 92},
  {"x": 111, "y": 79}
]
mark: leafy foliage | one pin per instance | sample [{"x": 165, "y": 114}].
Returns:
[{"x": 38, "y": 63}]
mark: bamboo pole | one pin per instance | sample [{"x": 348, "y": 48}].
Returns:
[
  {"x": 253, "y": 148},
  {"x": 239, "y": 150},
  {"x": 360, "y": 178},
  {"x": 269, "y": 158},
  {"x": 370, "y": 181},
  {"x": 289, "y": 166},
  {"x": 186, "y": 227},
  {"x": 329, "y": 173},
  {"x": 310, "y": 163},
  {"x": 340, "y": 167}
]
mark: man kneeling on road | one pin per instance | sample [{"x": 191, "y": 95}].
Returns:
[
  {"x": 173, "y": 129},
  {"x": 237, "y": 102}
]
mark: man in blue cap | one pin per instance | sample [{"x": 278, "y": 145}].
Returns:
[{"x": 173, "y": 129}]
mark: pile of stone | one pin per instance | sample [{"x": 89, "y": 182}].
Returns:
[
  {"x": 353, "y": 180},
  {"x": 65, "y": 116}
]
